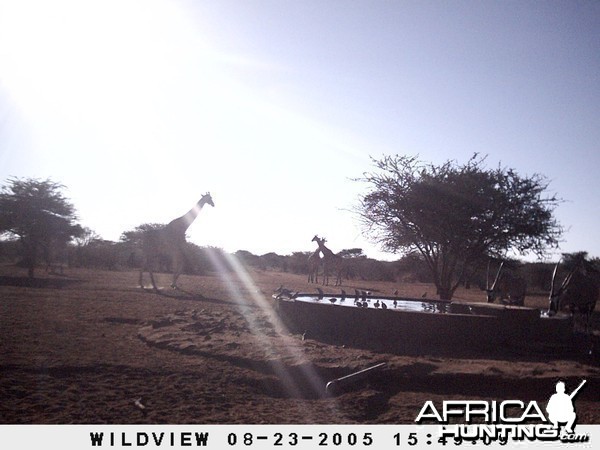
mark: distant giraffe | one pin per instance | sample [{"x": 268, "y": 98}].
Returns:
[
  {"x": 170, "y": 242},
  {"x": 331, "y": 262},
  {"x": 54, "y": 256},
  {"x": 314, "y": 261},
  {"x": 55, "y": 252}
]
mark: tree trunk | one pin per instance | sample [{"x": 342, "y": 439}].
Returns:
[
  {"x": 444, "y": 289},
  {"x": 445, "y": 293}
]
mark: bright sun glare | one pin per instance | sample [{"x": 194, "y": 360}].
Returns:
[
  {"x": 109, "y": 68},
  {"x": 99, "y": 65},
  {"x": 139, "y": 87}
]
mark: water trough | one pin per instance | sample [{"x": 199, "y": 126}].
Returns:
[{"x": 408, "y": 324}]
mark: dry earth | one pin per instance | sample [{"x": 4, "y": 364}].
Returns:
[{"x": 83, "y": 347}]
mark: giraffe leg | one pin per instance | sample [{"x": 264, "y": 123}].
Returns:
[
  {"x": 141, "y": 279},
  {"x": 174, "y": 283},
  {"x": 146, "y": 268},
  {"x": 152, "y": 280},
  {"x": 177, "y": 268}
]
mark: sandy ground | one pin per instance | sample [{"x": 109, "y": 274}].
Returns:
[{"x": 84, "y": 347}]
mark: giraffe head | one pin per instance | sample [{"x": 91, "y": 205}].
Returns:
[
  {"x": 318, "y": 240},
  {"x": 206, "y": 199}
]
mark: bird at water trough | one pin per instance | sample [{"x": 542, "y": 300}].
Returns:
[
  {"x": 356, "y": 295},
  {"x": 383, "y": 305},
  {"x": 333, "y": 300},
  {"x": 395, "y": 303},
  {"x": 376, "y": 304},
  {"x": 343, "y": 296},
  {"x": 320, "y": 291},
  {"x": 282, "y": 292}
]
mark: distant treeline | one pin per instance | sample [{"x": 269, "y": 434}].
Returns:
[{"x": 102, "y": 254}]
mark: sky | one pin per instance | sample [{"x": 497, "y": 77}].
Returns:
[{"x": 139, "y": 107}]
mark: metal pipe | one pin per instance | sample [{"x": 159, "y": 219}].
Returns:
[{"x": 347, "y": 380}]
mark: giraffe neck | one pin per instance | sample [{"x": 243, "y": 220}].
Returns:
[
  {"x": 191, "y": 215},
  {"x": 188, "y": 218},
  {"x": 325, "y": 250}
]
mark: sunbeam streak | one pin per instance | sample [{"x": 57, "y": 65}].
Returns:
[
  {"x": 294, "y": 354},
  {"x": 279, "y": 369}
]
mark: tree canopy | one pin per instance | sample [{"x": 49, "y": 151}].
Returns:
[
  {"x": 37, "y": 213},
  {"x": 456, "y": 215}
]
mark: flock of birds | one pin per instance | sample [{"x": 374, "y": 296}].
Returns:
[{"x": 361, "y": 298}]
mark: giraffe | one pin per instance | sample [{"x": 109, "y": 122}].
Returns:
[
  {"x": 55, "y": 253},
  {"x": 578, "y": 292},
  {"x": 331, "y": 261},
  {"x": 169, "y": 241},
  {"x": 314, "y": 261}
]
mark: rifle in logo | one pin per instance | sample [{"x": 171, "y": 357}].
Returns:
[{"x": 560, "y": 407}]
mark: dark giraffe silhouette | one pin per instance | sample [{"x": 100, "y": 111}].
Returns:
[
  {"x": 331, "y": 262},
  {"x": 578, "y": 293},
  {"x": 314, "y": 262},
  {"x": 508, "y": 287},
  {"x": 169, "y": 242}
]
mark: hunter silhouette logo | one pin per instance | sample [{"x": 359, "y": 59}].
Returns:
[{"x": 560, "y": 407}]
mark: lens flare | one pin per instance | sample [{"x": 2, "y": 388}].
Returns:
[{"x": 293, "y": 354}]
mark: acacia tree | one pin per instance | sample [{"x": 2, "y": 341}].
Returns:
[
  {"x": 37, "y": 213},
  {"x": 455, "y": 215}
]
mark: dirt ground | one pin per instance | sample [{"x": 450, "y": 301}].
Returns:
[{"x": 90, "y": 347}]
